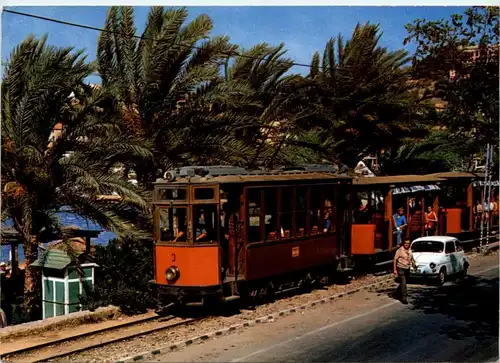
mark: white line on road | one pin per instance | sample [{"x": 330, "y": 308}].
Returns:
[
  {"x": 264, "y": 350},
  {"x": 260, "y": 351}
]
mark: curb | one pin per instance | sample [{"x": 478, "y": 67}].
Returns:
[
  {"x": 380, "y": 282},
  {"x": 264, "y": 319},
  {"x": 102, "y": 314}
]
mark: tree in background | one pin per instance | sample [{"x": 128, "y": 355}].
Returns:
[
  {"x": 458, "y": 58},
  {"x": 435, "y": 153},
  {"x": 39, "y": 177},
  {"x": 123, "y": 276},
  {"x": 367, "y": 101},
  {"x": 279, "y": 109},
  {"x": 170, "y": 89}
]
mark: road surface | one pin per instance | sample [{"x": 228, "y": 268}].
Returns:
[{"x": 457, "y": 322}]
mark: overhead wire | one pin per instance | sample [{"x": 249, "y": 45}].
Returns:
[
  {"x": 233, "y": 54},
  {"x": 140, "y": 37}
]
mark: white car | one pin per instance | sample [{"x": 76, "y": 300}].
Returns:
[{"x": 438, "y": 257}]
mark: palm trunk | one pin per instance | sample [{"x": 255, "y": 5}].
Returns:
[{"x": 32, "y": 291}]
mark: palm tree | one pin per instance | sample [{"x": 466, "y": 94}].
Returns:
[
  {"x": 39, "y": 177},
  {"x": 170, "y": 90},
  {"x": 439, "y": 151},
  {"x": 365, "y": 94},
  {"x": 282, "y": 106}
]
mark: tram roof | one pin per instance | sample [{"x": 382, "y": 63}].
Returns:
[
  {"x": 396, "y": 179},
  {"x": 231, "y": 179},
  {"x": 220, "y": 174},
  {"x": 456, "y": 174},
  {"x": 258, "y": 178}
]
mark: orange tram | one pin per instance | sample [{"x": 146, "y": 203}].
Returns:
[{"x": 226, "y": 233}]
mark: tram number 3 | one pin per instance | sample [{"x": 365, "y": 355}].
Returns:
[
  {"x": 173, "y": 257},
  {"x": 295, "y": 252}
]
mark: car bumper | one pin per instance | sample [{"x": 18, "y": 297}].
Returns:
[{"x": 424, "y": 274}]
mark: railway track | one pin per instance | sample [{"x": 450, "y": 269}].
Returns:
[
  {"x": 67, "y": 346},
  {"x": 74, "y": 344}
]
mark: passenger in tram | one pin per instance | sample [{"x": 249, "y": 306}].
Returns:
[
  {"x": 201, "y": 228},
  {"x": 328, "y": 223},
  {"x": 181, "y": 235},
  {"x": 228, "y": 219},
  {"x": 226, "y": 228},
  {"x": 412, "y": 205},
  {"x": 180, "y": 227},
  {"x": 430, "y": 221},
  {"x": 478, "y": 214},
  {"x": 224, "y": 221},
  {"x": 364, "y": 215},
  {"x": 359, "y": 213},
  {"x": 400, "y": 224}
]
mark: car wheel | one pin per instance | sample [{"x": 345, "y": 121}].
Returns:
[{"x": 441, "y": 276}]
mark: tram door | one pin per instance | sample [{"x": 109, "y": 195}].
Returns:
[
  {"x": 231, "y": 240},
  {"x": 343, "y": 219}
]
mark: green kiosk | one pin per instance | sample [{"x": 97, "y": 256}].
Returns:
[{"x": 67, "y": 274}]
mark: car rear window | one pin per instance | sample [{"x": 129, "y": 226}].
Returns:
[{"x": 427, "y": 246}]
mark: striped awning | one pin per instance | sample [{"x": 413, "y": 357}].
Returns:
[
  {"x": 494, "y": 183},
  {"x": 414, "y": 189}
]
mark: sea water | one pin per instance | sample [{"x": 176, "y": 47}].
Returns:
[{"x": 67, "y": 219}]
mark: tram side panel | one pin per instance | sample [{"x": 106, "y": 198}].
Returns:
[
  {"x": 277, "y": 258},
  {"x": 195, "y": 265}
]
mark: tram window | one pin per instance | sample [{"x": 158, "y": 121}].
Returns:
[
  {"x": 300, "y": 211},
  {"x": 286, "y": 215},
  {"x": 204, "y": 193},
  {"x": 172, "y": 194},
  {"x": 253, "y": 230},
  {"x": 315, "y": 211},
  {"x": 205, "y": 223},
  {"x": 173, "y": 224},
  {"x": 453, "y": 196},
  {"x": 271, "y": 210},
  {"x": 301, "y": 198}
]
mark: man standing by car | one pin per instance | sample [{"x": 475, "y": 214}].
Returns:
[{"x": 402, "y": 262}]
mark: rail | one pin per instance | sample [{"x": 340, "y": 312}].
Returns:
[{"x": 67, "y": 346}]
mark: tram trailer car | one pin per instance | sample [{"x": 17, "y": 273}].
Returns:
[
  {"x": 225, "y": 233},
  {"x": 452, "y": 196},
  {"x": 375, "y": 201},
  {"x": 462, "y": 198}
]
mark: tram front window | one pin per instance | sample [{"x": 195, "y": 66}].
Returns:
[
  {"x": 205, "y": 223},
  {"x": 173, "y": 224}
]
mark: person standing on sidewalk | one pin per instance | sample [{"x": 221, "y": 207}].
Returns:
[{"x": 403, "y": 259}]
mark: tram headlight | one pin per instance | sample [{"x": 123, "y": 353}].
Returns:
[{"x": 172, "y": 273}]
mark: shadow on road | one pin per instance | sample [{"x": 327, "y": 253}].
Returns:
[{"x": 473, "y": 302}]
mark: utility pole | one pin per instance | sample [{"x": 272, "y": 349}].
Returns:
[
  {"x": 485, "y": 198},
  {"x": 487, "y": 195},
  {"x": 489, "y": 165}
]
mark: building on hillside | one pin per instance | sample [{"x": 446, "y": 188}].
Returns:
[{"x": 475, "y": 53}]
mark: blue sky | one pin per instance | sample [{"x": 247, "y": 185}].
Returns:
[{"x": 302, "y": 29}]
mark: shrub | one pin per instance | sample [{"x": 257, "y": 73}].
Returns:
[{"x": 125, "y": 267}]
